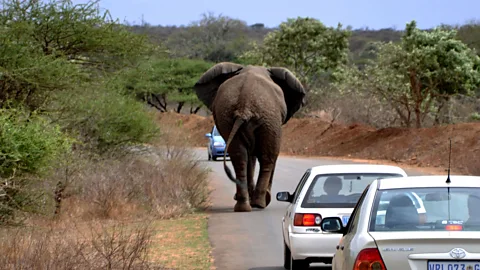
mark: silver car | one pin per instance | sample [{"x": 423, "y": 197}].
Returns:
[
  {"x": 331, "y": 190},
  {"x": 448, "y": 237}
]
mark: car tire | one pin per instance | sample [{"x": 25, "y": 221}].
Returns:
[
  {"x": 214, "y": 158},
  {"x": 298, "y": 264},
  {"x": 286, "y": 256}
]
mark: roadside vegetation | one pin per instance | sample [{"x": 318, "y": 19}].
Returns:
[
  {"x": 82, "y": 186},
  {"x": 382, "y": 78}
]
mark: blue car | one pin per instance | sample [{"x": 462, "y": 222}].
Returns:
[{"x": 216, "y": 144}]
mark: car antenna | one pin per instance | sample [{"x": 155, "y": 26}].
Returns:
[{"x": 449, "y": 160}]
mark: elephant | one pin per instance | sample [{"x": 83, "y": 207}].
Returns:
[{"x": 249, "y": 105}]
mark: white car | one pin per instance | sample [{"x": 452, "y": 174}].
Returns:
[
  {"x": 449, "y": 238},
  {"x": 304, "y": 240}
]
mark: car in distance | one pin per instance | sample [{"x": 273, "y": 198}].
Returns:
[
  {"x": 330, "y": 190},
  {"x": 216, "y": 144},
  {"x": 448, "y": 239}
]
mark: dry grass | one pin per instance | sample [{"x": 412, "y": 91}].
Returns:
[
  {"x": 119, "y": 213},
  {"x": 93, "y": 245},
  {"x": 165, "y": 183}
]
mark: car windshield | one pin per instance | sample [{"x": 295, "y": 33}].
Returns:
[
  {"x": 426, "y": 209},
  {"x": 215, "y": 132},
  {"x": 339, "y": 190}
]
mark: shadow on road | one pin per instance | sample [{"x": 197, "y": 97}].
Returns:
[
  {"x": 229, "y": 209},
  {"x": 220, "y": 210}
]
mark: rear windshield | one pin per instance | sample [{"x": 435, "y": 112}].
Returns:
[
  {"x": 426, "y": 209},
  {"x": 339, "y": 190}
]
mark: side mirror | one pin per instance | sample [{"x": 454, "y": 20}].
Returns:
[
  {"x": 332, "y": 225},
  {"x": 284, "y": 196},
  {"x": 208, "y": 135}
]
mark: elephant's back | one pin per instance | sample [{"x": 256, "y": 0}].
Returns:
[{"x": 251, "y": 95}]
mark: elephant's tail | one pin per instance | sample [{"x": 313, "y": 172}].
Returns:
[{"x": 238, "y": 122}]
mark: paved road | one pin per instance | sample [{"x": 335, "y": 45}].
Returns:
[{"x": 253, "y": 241}]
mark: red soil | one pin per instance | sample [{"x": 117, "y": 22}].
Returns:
[{"x": 426, "y": 147}]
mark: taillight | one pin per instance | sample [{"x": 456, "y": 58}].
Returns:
[
  {"x": 302, "y": 219},
  {"x": 369, "y": 259},
  {"x": 454, "y": 227}
]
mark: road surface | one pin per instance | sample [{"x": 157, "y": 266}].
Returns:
[{"x": 253, "y": 240}]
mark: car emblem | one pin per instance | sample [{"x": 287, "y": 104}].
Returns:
[{"x": 458, "y": 253}]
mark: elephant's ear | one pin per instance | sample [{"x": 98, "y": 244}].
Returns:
[
  {"x": 293, "y": 91},
  {"x": 207, "y": 86}
]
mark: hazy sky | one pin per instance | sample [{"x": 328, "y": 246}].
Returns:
[{"x": 357, "y": 13}]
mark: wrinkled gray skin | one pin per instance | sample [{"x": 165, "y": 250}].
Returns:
[{"x": 249, "y": 106}]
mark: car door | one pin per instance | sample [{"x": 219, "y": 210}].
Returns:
[
  {"x": 211, "y": 140},
  {"x": 344, "y": 243},
  {"x": 288, "y": 218}
]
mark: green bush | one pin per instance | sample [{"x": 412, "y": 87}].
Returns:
[
  {"x": 475, "y": 116},
  {"x": 29, "y": 146},
  {"x": 104, "y": 119}
]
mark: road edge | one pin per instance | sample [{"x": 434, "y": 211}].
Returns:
[{"x": 426, "y": 169}]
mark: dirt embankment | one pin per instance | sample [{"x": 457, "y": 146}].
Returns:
[{"x": 426, "y": 147}]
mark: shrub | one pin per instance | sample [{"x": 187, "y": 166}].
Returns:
[
  {"x": 91, "y": 246},
  {"x": 28, "y": 146},
  {"x": 164, "y": 183},
  {"x": 104, "y": 119}
]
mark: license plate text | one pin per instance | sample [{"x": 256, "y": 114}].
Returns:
[{"x": 454, "y": 265}]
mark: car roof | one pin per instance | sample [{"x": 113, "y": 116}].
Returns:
[
  {"x": 429, "y": 181},
  {"x": 356, "y": 168}
]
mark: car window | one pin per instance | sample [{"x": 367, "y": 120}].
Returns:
[
  {"x": 355, "y": 216},
  {"x": 339, "y": 190},
  {"x": 426, "y": 209},
  {"x": 215, "y": 132},
  {"x": 300, "y": 185}
]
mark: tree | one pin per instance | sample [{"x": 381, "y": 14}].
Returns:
[
  {"x": 424, "y": 69},
  {"x": 213, "y": 38},
  {"x": 304, "y": 45},
  {"x": 41, "y": 41},
  {"x": 55, "y": 61},
  {"x": 165, "y": 80}
]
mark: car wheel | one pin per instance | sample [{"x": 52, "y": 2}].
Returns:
[
  {"x": 286, "y": 256},
  {"x": 214, "y": 158},
  {"x": 298, "y": 264}
]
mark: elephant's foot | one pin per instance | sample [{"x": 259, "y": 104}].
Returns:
[
  {"x": 261, "y": 199},
  {"x": 242, "y": 207},
  {"x": 242, "y": 204}
]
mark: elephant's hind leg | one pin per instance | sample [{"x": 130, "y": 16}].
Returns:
[
  {"x": 268, "y": 197},
  {"x": 252, "y": 160},
  {"x": 267, "y": 152},
  {"x": 239, "y": 157}
]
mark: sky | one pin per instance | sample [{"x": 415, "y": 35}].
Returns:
[{"x": 374, "y": 14}]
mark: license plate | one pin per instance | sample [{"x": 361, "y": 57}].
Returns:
[
  {"x": 454, "y": 265},
  {"x": 345, "y": 221}
]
